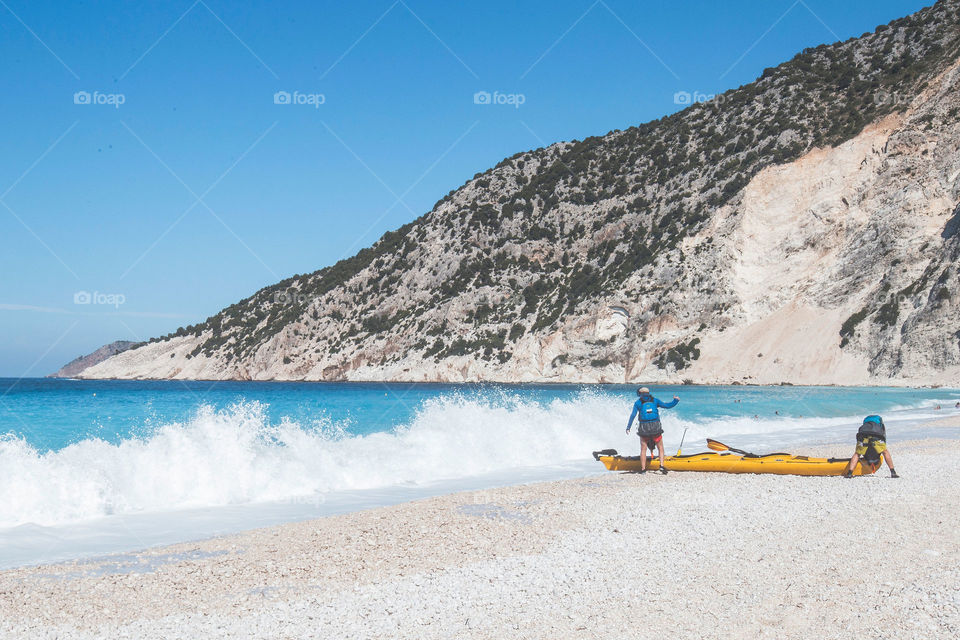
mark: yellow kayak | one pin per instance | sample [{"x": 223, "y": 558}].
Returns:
[{"x": 742, "y": 462}]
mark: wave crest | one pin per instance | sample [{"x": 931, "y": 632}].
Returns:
[{"x": 236, "y": 456}]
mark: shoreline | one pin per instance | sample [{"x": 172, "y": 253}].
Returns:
[
  {"x": 714, "y": 555},
  {"x": 139, "y": 532},
  {"x": 887, "y": 384}
]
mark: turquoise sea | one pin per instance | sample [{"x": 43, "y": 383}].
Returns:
[{"x": 92, "y": 467}]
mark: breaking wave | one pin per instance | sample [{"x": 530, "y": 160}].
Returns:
[{"x": 237, "y": 456}]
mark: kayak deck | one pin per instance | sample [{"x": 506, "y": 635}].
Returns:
[{"x": 774, "y": 463}]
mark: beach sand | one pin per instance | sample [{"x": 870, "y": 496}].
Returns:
[{"x": 616, "y": 555}]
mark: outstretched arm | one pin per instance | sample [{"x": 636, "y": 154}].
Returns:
[
  {"x": 633, "y": 414},
  {"x": 888, "y": 458},
  {"x": 668, "y": 405}
]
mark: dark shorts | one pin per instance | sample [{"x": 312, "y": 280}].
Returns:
[
  {"x": 651, "y": 429},
  {"x": 651, "y": 440}
]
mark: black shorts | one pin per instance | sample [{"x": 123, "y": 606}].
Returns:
[{"x": 650, "y": 429}]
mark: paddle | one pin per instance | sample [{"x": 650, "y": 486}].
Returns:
[
  {"x": 681, "y": 441},
  {"x": 719, "y": 446}
]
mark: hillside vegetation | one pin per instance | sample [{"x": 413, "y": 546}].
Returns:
[{"x": 516, "y": 270}]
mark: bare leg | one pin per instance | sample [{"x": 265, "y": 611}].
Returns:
[
  {"x": 660, "y": 449},
  {"x": 643, "y": 454}
]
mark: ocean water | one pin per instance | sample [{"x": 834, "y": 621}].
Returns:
[{"x": 94, "y": 467}]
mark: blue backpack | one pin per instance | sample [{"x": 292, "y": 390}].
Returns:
[{"x": 648, "y": 408}]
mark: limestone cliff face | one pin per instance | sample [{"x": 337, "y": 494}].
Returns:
[
  {"x": 804, "y": 228},
  {"x": 78, "y": 365}
]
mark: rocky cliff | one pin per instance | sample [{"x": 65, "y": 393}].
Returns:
[
  {"x": 802, "y": 228},
  {"x": 81, "y": 364}
]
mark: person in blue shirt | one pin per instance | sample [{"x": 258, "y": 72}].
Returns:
[{"x": 649, "y": 428}]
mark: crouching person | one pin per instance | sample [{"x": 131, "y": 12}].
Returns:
[{"x": 871, "y": 446}]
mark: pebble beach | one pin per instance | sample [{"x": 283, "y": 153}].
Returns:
[{"x": 640, "y": 556}]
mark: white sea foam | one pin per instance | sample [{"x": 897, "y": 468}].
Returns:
[{"x": 236, "y": 456}]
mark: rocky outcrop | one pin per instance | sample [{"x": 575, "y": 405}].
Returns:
[
  {"x": 798, "y": 229},
  {"x": 77, "y": 366}
]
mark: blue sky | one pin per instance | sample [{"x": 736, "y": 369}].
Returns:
[{"x": 145, "y": 159}]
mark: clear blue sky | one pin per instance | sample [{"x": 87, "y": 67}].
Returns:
[{"x": 98, "y": 197}]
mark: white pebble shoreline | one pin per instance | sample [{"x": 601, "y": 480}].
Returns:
[{"x": 688, "y": 555}]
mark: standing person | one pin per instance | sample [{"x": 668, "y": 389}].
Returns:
[
  {"x": 871, "y": 445},
  {"x": 649, "y": 428}
]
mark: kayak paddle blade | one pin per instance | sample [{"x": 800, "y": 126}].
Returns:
[
  {"x": 719, "y": 446},
  {"x": 716, "y": 446}
]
